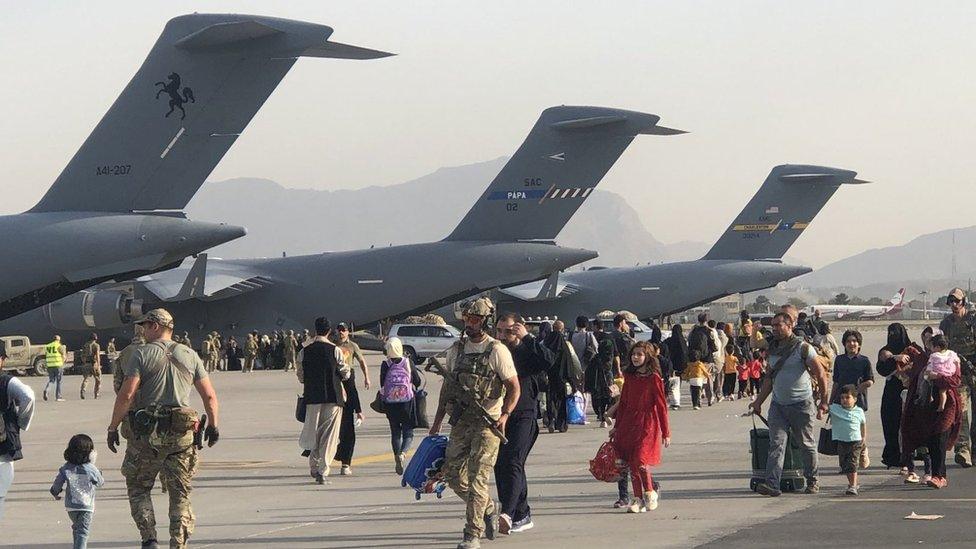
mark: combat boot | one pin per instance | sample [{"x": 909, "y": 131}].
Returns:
[
  {"x": 469, "y": 542},
  {"x": 491, "y": 521}
]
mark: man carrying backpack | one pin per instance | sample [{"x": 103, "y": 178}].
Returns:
[
  {"x": 700, "y": 339},
  {"x": 959, "y": 327},
  {"x": 16, "y": 411}
]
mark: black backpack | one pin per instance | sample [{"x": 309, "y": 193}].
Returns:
[
  {"x": 700, "y": 340},
  {"x": 10, "y": 428}
]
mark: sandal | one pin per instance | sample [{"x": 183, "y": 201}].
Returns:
[{"x": 912, "y": 478}]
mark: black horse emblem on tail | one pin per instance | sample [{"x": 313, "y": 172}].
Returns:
[{"x": 177, "y": 97}]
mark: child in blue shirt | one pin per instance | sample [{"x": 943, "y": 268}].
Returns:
[
  {"x": 82, "y": 477},
  {"x": 849, "y": 430}
]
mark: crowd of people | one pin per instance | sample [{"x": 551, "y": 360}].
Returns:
[{"x": 502, "y": 387}]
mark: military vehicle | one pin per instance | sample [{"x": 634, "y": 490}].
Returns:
[
  {"x": 24, "y": 357},
  {"x": 747, "y": 257},
  {"x": 115, "y": 212},
  {"x": 506, "y": 238}
]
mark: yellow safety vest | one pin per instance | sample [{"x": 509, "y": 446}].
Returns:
[{"x": 52, "y": 355}]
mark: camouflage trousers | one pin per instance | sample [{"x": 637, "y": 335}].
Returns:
[
  {"x": 967, "y": 398},
  {"x": 88, "y": 371},
  {"x": 249, "y": 363},
  {"x": 468, "y": 463},
  {"x": 291, "y": 359},
  {"x": 175, "y": 466}
]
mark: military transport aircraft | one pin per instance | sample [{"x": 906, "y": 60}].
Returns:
[
  {"x": 506, "y": 238},
  {"x": 115, "y": 212},
  {"x": 747, "y": 257}
]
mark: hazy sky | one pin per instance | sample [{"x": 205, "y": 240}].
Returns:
[{"x": 885, "y": 88}]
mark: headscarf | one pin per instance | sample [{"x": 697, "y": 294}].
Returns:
[
  {"x": 545, "y": 328},
  {"x": 897, "y": 338},
  {"x": 393, "y": 348}
]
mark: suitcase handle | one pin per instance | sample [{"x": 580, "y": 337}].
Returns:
[{"x": 761, "y": 418}]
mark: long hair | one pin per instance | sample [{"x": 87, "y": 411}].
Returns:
[
  {"x": 79, "y": 450},
  {"x": 650, "y": 361}
]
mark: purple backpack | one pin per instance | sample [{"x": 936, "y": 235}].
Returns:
[{"x": 397, "y": 386}]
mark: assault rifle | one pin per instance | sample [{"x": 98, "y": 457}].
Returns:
[{"x": 466, "y": 397}]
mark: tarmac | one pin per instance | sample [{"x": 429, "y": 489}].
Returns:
[{"x": 253, "y": 488}]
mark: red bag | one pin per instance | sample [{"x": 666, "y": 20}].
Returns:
[{"x": 604, "y": 466}]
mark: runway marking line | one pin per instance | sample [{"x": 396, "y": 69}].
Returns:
[
  {"x": 902, "y": 500},
  {"x": 304, "y": 524}
]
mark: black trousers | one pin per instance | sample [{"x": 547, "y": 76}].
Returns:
[
  {"x": 696, "y": 396},
  {"x": 556, "y": 407},
  {"x": 891, "y": 405},
  {"x": 522, "y": 430},
  {"x": 937, "y": 453},
  {"x": 347, "y": 437}
]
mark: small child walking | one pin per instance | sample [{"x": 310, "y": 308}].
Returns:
[
  {"x": 849, "y": 428},
  {"x": 755, "y": 373},
  {"x": 642, "y": 423},
  {"x": 697, "y": 374},
  {"x": 82, "y": 477},
  {"x": 729, "y": 371}
]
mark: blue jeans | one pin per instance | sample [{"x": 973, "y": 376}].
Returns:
[
  {"x": 54, "y": 376},
  {"x": 401, "y": 436},
  {"x": 80, "y": 526}
]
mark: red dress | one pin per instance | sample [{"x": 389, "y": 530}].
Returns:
[{"x": 642, "y": 420}]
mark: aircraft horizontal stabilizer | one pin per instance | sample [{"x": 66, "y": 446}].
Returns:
[
  {"x": 338, "y": 50},
  {"x": 223, "y": 34},
  {"x": 194, "y": 285}
]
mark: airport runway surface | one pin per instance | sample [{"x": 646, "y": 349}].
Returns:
[{"x": 253, "y": 489}]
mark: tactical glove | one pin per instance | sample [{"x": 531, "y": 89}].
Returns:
[
  {"x": 211, "y": 435},
  {"x": 113, "y": 441}
]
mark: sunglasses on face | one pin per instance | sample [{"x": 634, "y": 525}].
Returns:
[{"x": 953, "y": 301}]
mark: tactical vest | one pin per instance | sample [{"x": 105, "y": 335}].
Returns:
[
  {"x": 473, "y": 372},
  {"x": 959, "y": 333},
  {"x": 52, "y": 355}
]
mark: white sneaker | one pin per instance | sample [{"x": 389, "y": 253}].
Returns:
[
  {"x": 504, "y": 524},
  {"x": 650, "y": 499},
  {"x": 696, "y": 408},
  {"x": 346, "y": 471},
  {"x": 635, "y": 506},
  {"x": 522, "y": 525}
]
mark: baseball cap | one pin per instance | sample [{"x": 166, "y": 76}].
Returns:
[
  {"x": 341, "y": 327},
  {"x": 957, "y": 293},
  {"x": 159, "y": 316}
]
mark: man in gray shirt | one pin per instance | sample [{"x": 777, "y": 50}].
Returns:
[{"x": 791, "y": 365}]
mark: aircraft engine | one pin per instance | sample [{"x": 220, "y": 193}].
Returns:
[{"x": 93, "y": 310}]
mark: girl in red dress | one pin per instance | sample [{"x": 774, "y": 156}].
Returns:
[{"x": 641, "y": 423}]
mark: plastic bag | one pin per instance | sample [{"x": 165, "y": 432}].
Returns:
[{"x": 576, "y": 409}]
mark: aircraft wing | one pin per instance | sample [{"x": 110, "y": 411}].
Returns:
[
  {"x": 540, "y": 290},
  {"x": 205, "y": 280}
]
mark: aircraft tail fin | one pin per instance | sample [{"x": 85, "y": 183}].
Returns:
[
  {"x": 897, "y": 301},
  {"x": 784, "y": 205},
  {"x": 562, "y": 160},
  {"x": 202, "y": 82}
]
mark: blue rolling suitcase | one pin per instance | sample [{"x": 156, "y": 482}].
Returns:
[{"x": 423, "y": 473}]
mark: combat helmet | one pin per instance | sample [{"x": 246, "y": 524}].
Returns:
[{"x": 480, "y": 307}]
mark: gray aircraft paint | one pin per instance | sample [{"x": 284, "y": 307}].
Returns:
[
  {"x": 114, "y": 212},
  {"x": 788, "y": 200},
  {"x": 366, "y": 286}
]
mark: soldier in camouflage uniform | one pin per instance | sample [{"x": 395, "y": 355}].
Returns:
[
  {"x": 217, "y": 357},
  {"x": 959, "y": 327},
  {"x": 160, "y": 426},
  {"x": 291, "y": 350},
  {"x": 483, "y": 366},
  {"x": 250, "y": 352},
  {"x": 92, "y": 366}
]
